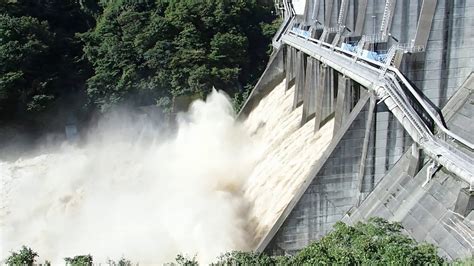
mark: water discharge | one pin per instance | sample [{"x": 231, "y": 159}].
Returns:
[
  {"x": 214, "y": 186},
  {"x": 289, "y": 151}
]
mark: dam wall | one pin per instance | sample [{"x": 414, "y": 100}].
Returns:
[
  {"x": 381, "y": 71},
  {"x": 439, "y": 211}
]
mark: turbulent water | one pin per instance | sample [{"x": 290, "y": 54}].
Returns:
[
  {"x": 215, "y": 186},
  {"x": 288, "y": 153}
]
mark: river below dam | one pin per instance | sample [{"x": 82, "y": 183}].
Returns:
[{"x": 216, "y": 185}]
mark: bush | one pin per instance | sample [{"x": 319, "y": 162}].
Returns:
[
  {"x": 245, "y": 258},
  {"x": 80, "y": 260},
  {"x": 26, "y": 256},
  {"x": 186, "y": 261},
  {"x": 375, "y": 242},
  {"x": 121, "y": 262}
]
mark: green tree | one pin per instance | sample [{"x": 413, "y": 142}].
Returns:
[
  {"x": 25, "y": 76},
  {"x": 147, "y": 52},
  {"x": 186, "y": 261},
  {"x": 375, "y": 242},
  {"x": 25, "y": 256},
  {"x": 41, "y": 59},
  {"x": 249, "y": 258},
  {"x": 121, "y": 262},
  {"x": 81, "y": 260},
  {"x": 469, "y": 261}
]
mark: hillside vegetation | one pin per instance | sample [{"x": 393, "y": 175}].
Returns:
[
  {"x": 85, "y": 55},
  {"x": 377, "y": 242}
]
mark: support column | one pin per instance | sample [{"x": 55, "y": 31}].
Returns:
[
  {"x": 343, "y": 102},
  {"x": 329, "y": 87},
  {"x": 414, "y": 163},
  {"x": 365, "y": 145},
  {"x": 300, "y": 79},
  {"x": 428, "y": 8},
  {"x": 308, "y": 12},
  {"x": 381, "y": 143},
  {"x": 355, "y": 94},
  {"x": 316, "y": 8},
  {"x": 320, "y": 96},
  {"x": 309, "y": 95},
  {"x": 360, "y": 20},
  {"x": 327, "y": 13},
  {"x": 290, "y": 67}
]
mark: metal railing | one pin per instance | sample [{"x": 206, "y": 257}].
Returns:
[
  {"x": 374, "y": 38},
  {"x": 389, "y": 83},
  {"x": 378, "y": 66},
  {"x": 386, "y": 15},
  {"x": 342, "y": 10}
]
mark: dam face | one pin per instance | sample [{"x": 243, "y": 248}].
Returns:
[{"x": 386, "y": 89}]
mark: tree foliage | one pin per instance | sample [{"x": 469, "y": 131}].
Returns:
[
  {"x": 376, "y": 242},
  {"x": 25, "y": 256},
  {"x": 25, "y": 46},
  {"x": 81, "y": 260},
  {"x": 41, "y": 59},
  {"x": 186, "y": 261},
  {"x": 146, "y": 52},
  {"x": 52, "y": 52},
  {"x": 121, "y": 262}
]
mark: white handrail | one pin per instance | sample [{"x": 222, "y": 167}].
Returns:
[
  {"x": 370, "y": 76},
  {"x": 407, "y": 84},
  {"x": 428, "y": 110}
]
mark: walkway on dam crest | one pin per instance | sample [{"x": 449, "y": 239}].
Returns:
[{"x": 386, "y": 83}]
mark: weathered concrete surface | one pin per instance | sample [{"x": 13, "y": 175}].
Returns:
[
  {"x": 448, "y": 59},
  {"x": 390, "y": 161},
  {"x": 427, "y": 213},
  {"x": 343, "y": 101},
  {"x": 460, "y": 109},
  {"x": 439, "y": 212}
]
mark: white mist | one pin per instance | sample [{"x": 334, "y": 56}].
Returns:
[
  {"x": 217, "y": 185},
  {"x": 130, "y": 192}
]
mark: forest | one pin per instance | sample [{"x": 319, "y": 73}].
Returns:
[
  {"x": 376, "y": 242},
  {"x": 86, "y": 56}
]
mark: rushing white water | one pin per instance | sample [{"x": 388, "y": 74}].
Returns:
[
  {"x": 217, "y": 185},
  {"x": 288, "y": 153},
  {"x": 130, "y": 192}
]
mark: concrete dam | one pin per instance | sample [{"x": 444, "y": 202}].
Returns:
[
  {"x": 374, "y": 106},
  {"x": 365, "y": 110}
]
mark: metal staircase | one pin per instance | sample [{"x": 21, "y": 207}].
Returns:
[
  {"x": 342, "y": 12},
  {"x": 386, "y": 17}
]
